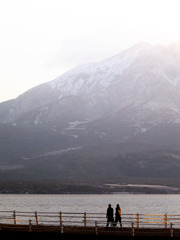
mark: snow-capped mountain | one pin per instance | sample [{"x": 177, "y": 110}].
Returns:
[
  {"x": 129, "y": 102},
  {"x": 142, "y": 79}
]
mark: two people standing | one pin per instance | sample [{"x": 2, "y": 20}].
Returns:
[{"x": 110, "y": 215}]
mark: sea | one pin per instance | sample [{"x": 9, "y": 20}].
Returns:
[{"x": 92, "y": 203}]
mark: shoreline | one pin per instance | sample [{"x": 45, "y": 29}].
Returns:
[{"x": 83, "y": 188}]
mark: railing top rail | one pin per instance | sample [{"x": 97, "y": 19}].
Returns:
[
  {"x": 17, "y": 212},
  {"x": 172, "y": 215},
  {"x": 6, "y": 211},
  {"x": 89, "y": 213},
  {"x": 145, "y": 214},
  {"x": 38, "y": 212}
]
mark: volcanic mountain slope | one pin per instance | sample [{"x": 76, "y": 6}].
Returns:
[{"x": 96, "y": 113}]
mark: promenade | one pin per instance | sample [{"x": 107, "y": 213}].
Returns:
[{"x": 65, "y": 225}]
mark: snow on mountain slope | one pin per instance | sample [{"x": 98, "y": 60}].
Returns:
[
  {"x": 142, "y": 79},
  {"x": 87, "y": 77},
  {"x": 141, "y": 74}
]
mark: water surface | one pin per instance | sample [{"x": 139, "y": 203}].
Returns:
[{"x": 92, "y": 203}]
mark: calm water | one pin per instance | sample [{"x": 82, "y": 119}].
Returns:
[{"x": 130, "y": 203}]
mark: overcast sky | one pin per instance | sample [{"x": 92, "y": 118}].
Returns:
[{"x": 42, "y": 39}]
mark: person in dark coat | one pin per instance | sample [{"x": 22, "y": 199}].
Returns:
[
  {"x": 118, "y": 215},
  {"x": 109, "y": 215}
]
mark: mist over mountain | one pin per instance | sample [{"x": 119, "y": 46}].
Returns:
[{"x": 117, "y": 120}]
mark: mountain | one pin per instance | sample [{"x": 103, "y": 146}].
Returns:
[{"x": 117, "y": 120}]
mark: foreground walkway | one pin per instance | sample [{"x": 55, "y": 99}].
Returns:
[{"x": 68, "y": 232}]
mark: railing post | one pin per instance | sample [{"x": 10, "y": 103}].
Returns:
[
  {"x": 165, "y": 220},
  {"x": 172, "y": 231},
  {"x": 132, "y": 229},
  {"x": 30, "y": 225},
  {"x": 96, "y": 228},
  {"x": 85, "y": 219},
  {"x": 14, "y": 216},
  {"x": 36, "y": 217},
  {"x": 60, "y": 218},
  {"x": 61, "y": 222},
  {"x": 137, "y": 220}
]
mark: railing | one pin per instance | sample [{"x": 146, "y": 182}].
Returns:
[
  {"x": 89, "y": 219},
  {"x": 94, "y": 223}
]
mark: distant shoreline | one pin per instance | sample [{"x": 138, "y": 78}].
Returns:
[
  {"x": 82, "y": 188},
  {"x": 146, "y": 188}
]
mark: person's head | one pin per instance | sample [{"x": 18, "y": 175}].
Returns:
[
  {"x": 109, "y": 205},
  {"x": 118, "y": 206}
]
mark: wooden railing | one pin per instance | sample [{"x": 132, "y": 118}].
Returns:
[
  {"x": 88, "y": 219},
  {"x": 133, "y": 223}
]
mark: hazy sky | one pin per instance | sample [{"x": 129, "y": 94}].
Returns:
[{"x": 41, "y": 39}]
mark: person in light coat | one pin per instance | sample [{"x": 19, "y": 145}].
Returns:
[{"x": 118, "y": 215}]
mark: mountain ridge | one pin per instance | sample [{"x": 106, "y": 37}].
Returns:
[{"x": 80, "y": 80}]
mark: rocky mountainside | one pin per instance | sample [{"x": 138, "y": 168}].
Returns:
[{"x": 96, "y": 113}]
